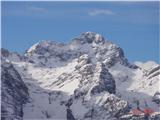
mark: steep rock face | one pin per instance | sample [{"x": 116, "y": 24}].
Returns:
[
  {"x": 105, "y": 80},
  {"x": 14, "y": 93},
  {"x": 95, "y": 78},
  {"x": 69, "y": 115},
  {"x": 93, "y": 95},
  {"x": 85, "y": 68}
]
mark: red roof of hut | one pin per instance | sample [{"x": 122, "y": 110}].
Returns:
[
  {"x": 148, "y": 111},
  {"x": 136, "y": 112}
]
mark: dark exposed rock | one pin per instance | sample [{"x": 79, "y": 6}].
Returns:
[
  {"x": 156, "y": 97},
  {"x": 105, "y": 80},
  {"x": 156, "y": 69},
  {"x": 12, "y": 56},
  {"x": 4, "y": 52},
  {"x": 14, "y": 93},
  {"x": 69, "y": 114},
  {"x": 116, "y": 105}
]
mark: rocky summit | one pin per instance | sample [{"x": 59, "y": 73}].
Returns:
[{"x": 87, "y": 79}]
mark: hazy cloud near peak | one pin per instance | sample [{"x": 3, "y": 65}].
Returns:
[{"x": 96, "y": 12}]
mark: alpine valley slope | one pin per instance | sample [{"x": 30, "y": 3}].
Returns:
[{"x": 86, "y": 79}]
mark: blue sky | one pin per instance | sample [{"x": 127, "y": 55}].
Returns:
[{"x": 131, "y": 25}]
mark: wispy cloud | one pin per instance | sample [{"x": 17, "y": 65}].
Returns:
[
  {"x": 97, "y": 12},
  {"x": 37, "y": 9},
  {"x": 27, "y": 11}
]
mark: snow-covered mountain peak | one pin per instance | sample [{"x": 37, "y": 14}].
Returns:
[
  {"x": 89, "y": 73},
  {"x": 90, "y": 43},
  {"x": 53, "y": 54}
]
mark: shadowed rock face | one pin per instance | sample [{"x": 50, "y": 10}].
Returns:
[
  {"x": 14, "y": 93},
  {"x": 12, "y": 56},
  {"x": 4, "y": 52},
  {"x": 96, "y": 77},
  {"x": 156, "y": 98},
  {"x": 69, "y": 115},
  {"x": 106, "y": 81}
]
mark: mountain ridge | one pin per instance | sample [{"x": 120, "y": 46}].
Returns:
[{"x": 89, "y": 73}]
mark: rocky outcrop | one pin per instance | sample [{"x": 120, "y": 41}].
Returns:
[
  {"x": 96, "y": 77},
  {"x": 4, "y": 52},
  {"x": 85, "y": 68},
  {"x": 14, "y": 93},
  {"x": 11, "y": 56},
  {"x": 96, "y": 93},
  {"x": 89, "y": 37},
  {"x": 154, "y": 72},
  {"x": 70, "y": 115},
  {"x": 104, "y": 80},
  {"x": 156, "y": 98}
]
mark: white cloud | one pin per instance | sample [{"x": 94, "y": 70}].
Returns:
[{"x": 100, "y": 12}]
